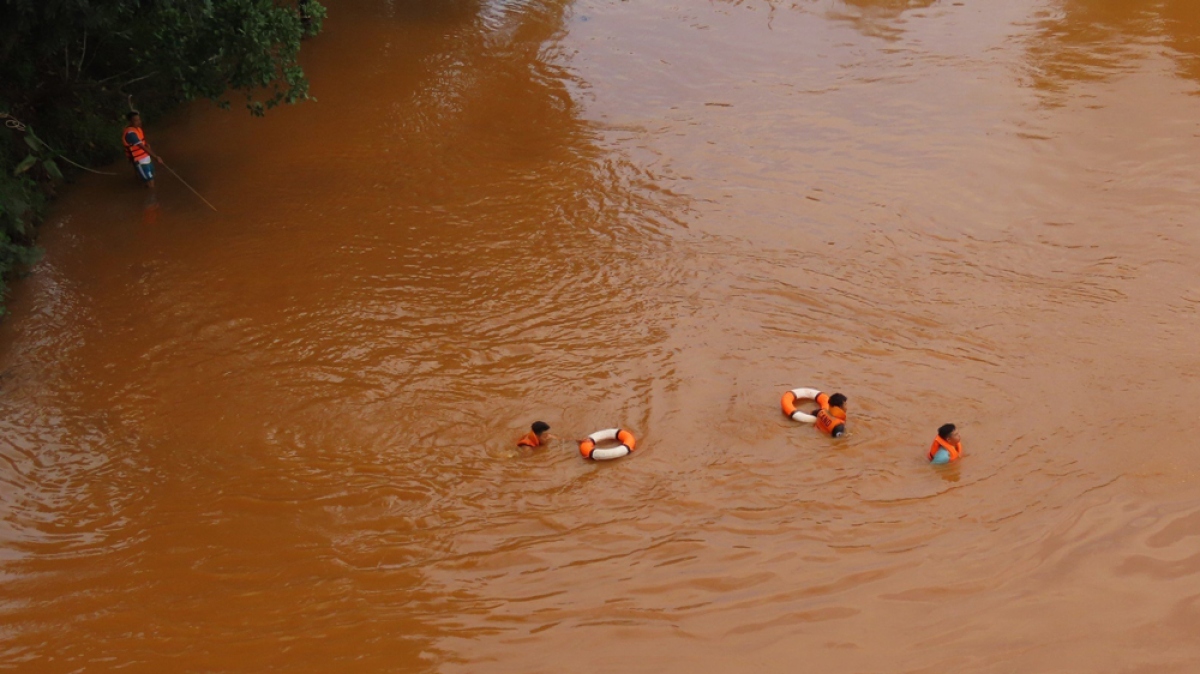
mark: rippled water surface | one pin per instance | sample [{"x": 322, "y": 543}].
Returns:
[{"x": 279, "y": 438}]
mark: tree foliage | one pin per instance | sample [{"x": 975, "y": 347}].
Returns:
[{"x": 70, "y": 68}]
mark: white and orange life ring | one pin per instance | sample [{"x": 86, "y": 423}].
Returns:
[
  {"x": 795, "y": 395},
  {"x": 588, "y": 447}
]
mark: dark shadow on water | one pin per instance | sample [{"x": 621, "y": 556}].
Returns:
[
  {"x": 883, "y": 19},
  {"x": 1094, "y": 40}
]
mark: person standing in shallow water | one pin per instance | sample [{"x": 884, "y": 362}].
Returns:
[
  {"x": 137, "y": 148},
  {"x": 947, "y": 445}
]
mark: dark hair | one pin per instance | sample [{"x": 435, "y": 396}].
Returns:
[
  {"x": 837, "y": 400},
  {"x": 131, "y": 114},
  {"x": 540, "y": 427},
  {"x": 945, "y": 430}
]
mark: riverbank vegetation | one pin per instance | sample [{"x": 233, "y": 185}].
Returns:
[{"x": 71, "y": 69}]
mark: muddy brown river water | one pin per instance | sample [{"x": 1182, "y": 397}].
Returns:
[{"x": 279, "y": 438}]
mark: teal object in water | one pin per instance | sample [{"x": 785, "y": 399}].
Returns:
[{"x": 940, "y": 457}]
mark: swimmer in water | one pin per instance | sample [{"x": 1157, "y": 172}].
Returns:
[
  {"x": 831, "y": 417},
  {"x": 947, "y": 446},
  {"x": 537, "y": 436}
]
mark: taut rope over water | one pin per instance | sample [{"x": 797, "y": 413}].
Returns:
[{"x": 185, "y": 184}]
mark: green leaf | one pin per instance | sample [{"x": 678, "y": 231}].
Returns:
[
  {"x": 26, "y": 164},
  {"x": 33, "y": 142},
  {"x": 52, "y": 169}
]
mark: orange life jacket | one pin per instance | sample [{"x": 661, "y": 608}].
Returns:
[
  {"x": 530, "y": 439},
  {"x": 938, "y": 443},
  {"x": 829, "y": 418},
  {"x": 135, "y": 151}
]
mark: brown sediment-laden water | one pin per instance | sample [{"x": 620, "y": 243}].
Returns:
[{"x": 280, "y": 438}]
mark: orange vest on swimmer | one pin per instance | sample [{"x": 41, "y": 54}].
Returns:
[
  {"x": 829, "y": 418},
  {"x": 530, "y": 439},
  {"x": 938, "y": 443},
  {"x": 135, "y": 151}
]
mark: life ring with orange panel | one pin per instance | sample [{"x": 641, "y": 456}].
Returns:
[
  {"x": 589, "y": 451},
  {"x": 796, "y": 395}
]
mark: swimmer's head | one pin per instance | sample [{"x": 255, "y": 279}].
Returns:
[
  {"x": 949, "y": 433},
  {"x": 134, "y": 118},
  {"x": 837, "y": 400},
  {"x": 539, "y": 427}
]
